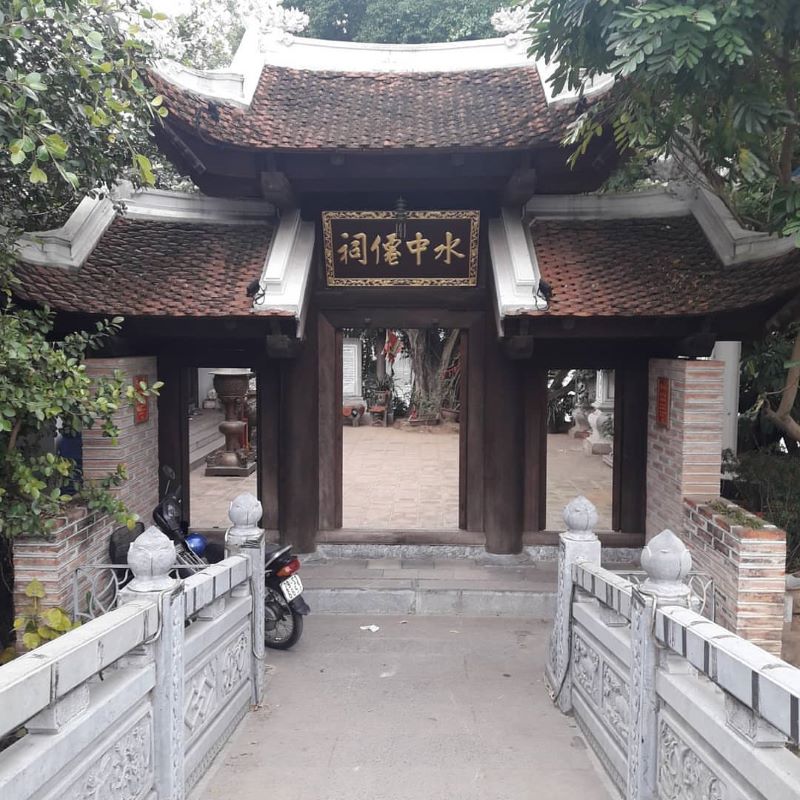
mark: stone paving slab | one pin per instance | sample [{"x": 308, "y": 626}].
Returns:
[{"x": 427, "y": 708}]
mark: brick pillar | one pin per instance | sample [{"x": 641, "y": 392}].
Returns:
[
  {"x": 746, "y": 558},
  {"x": 82, "y": 537},
  {"x": 137, "y": 446},
  {"x": 684, "y": 457}
]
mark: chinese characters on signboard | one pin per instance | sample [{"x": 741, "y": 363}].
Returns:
[
  {"x": 662, "y": 402},
  {"x": 141, "y": 408},
  {"x": 419, "y": 248}
]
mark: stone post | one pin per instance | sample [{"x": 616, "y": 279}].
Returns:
[
  {"x": 245, "y": 538},
  {"x": 667, "y": 563},
  {"x": 599, "y": 442},
  {"x": 578, "y": 543},
  {"x": 150, "y": 558}
]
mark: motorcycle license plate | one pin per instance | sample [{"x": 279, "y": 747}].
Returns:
[{"x": 292, "y": 587}]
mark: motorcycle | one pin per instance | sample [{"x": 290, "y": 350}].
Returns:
[
  {"x": 284, "y": 606},
  {"x": 191, "y": 549}
]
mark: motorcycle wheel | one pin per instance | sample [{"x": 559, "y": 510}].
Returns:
[{"x": 288, "y": 624}]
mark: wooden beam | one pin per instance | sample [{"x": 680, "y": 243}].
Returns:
[
  {"x": 401, "y": 317},
  {"x": 299, "y": 429},
  {"x": 503, "y": 448},
  {"x": 276, "y": 188},
  {"x": 535, "y": 419},
  {"x": 471, "y": 465},
  {"x": 629, "y": 506},
  {"x": 330, "y": 425},
  {"x": 268, "y": 384}
]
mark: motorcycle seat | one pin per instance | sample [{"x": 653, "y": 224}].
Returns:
[{"x": 275, "y": 551}]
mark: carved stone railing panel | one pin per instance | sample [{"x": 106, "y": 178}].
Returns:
[
  {"x": 759, "y": 680},
  {"x": 136, "y": 703},
  {"x": 599, "y": 666},
  {"x": 674, "y": 706},
  {"x": 214, "y": 677},
  {"x": 43, "y": 765}
]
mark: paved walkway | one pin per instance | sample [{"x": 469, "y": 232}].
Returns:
[
  {"x": 426, "y": 708},
  {"x": 407, "y": 478}
]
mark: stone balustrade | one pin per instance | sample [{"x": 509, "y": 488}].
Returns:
[
  {"x": 672, "y": 704},
  {"x": 136, "y": 703}
]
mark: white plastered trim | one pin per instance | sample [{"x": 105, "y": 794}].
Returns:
[
  {"x": 71, "y": 244},
  {"x": 285, "y": 278},
  {"x": 732, "y": 243},
  {"x": 514, "y": 265},
  {"x": 237, "y": 84}
]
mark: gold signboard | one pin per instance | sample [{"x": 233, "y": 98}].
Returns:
[{"x": 413, "y": 248}]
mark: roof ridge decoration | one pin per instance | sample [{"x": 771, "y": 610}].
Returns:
[
  {"x": 264, "y": 46},
  {"x": 70, "y": 245}
]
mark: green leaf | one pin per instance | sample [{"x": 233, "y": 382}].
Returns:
[
  {"x": 35, "y": 82},
  {"x": 57, "y": 619},
  {"x": 35, "y": 589},
  {"x": 37, "y": 175},
  {"x": 145, "y": 169},
  {"x": 31, "y": 640},
  {"x": 95, "y": 40},
  {"x": 56, "y": 145}
]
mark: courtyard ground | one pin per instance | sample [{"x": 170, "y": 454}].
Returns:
[
  {"x": 407, "y": 478},
  {"x": 426, "y": 708}
]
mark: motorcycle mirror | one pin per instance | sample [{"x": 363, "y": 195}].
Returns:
[{"x": 168, "y": 472}]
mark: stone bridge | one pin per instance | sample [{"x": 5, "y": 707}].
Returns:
[{"x": 136, "y": 704}]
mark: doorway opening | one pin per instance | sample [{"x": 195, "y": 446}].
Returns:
[
  {"x": 580, "y": 442},
  {"x": 401, "y": 437},
  {"x": 222, "y": 443}
]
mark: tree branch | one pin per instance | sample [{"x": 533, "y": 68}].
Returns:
[{"x": 12, "y": 439}]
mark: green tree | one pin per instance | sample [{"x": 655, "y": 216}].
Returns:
[
  {"x": 711, "y": 84},
  {"x": 399, "y": 21},
  {"x": 75, "y": 116}
]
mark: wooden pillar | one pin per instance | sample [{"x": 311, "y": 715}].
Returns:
[
  {"x": 268, "y": 384},
  {"x": 629, "y": 508},
  {"x": 535, "y": 421},
  {"x": 173, "y": 426},
  {"x": 503, "y": 449},
  {"x": 299, "y": 448},
  {"x": 330, "y": 425},
  {"x": 471, "y": 432}
]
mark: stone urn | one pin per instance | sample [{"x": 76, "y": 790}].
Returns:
[{"x": 231, "y": 386}]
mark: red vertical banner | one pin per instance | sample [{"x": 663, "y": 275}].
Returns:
[
  {"x": 662, "y": 402},
  {"x": 141, "y": 408}
]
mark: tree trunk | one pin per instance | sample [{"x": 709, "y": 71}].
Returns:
[
  {"x": 430, "y": 357},
  {"x": 380, "y": 365},
  {"x": 782, "y": 418}
]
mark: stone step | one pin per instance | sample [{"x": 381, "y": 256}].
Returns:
[
  {"x": 446, "y": 586},
  {"x": 204, "y": 436}
]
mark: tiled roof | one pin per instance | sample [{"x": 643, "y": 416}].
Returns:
[
  {"x": 147, "y": 268},
  {"x": 311, "y": 110},
  {"x": 649, "y": 267}
]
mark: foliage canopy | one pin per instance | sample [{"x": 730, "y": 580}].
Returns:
[{"x": 75, "y": 117}]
